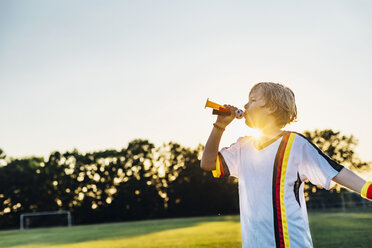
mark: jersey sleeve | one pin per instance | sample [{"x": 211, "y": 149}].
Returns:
[
  {"x": 317, "y": 167},
  {"x": 230, "y": 157}
]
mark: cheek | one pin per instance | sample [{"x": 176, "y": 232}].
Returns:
[{"x": 253, "y": 107}]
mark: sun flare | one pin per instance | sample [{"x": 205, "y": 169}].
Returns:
[{"x": 256, "y": 133}]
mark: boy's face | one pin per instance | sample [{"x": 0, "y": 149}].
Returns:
[{"x": 256, "y": 115}]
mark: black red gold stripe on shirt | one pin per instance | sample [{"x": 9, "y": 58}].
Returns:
[
  {"x": 221, "y": 167},
  {"x": 279, "y": 172},
  {"x": 366, "y": 191}
]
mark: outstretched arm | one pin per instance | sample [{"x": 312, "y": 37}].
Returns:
[{"x": 350, "y": 180}]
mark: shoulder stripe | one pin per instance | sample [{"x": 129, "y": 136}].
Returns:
[
  {"x": 338, "y": 167},
  {"x": 224, "y": 165},
  {"x": 217, "y": 172},
  {"x": 221, "y": 168}
]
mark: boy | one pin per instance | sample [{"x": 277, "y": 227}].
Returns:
[{"x": 271, "y": 170}]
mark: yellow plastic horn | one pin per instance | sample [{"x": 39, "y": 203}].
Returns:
[
  {"x": 213, "y": 105},
  {"x": 222, "y": 110}
]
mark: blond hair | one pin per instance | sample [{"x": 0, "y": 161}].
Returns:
[{"x": 279, "y": 98}]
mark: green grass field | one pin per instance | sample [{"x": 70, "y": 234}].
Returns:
[{"x": 328, "y": 230}]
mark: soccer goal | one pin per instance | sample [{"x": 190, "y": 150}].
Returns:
[{"x": 45, "y": 219}]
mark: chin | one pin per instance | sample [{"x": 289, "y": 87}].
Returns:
[{"x": 249, "y": 123}]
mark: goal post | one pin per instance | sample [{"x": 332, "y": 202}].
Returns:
[{"x": 25, "y": 216}]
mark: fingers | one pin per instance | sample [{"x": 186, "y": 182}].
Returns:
[
  {"x": 231, "y": 108},
  {"x": 226, "y": 120}
]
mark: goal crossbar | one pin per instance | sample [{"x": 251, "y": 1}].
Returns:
[{"x": 45, "y": 213}]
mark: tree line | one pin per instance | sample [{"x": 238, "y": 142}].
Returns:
[{"x": 140, "y": 181}]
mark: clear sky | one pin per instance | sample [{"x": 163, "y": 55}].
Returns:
[{"x": 94, "y": 75}]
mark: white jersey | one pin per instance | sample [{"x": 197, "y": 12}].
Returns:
[{"x": 271, "y": 189}]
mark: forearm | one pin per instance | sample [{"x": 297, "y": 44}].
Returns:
[
  {"x": 350, "y": 180},
  {"x": 210, "y": 153},
  {"x": 208, "y": 161}
]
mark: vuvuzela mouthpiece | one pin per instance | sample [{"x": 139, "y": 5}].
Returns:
[{"x": 239, "y": 114}]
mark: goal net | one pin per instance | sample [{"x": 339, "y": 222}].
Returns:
[{"x": 45, "y": 219}]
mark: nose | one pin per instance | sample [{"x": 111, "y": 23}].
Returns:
[{"x": 246, "y": 106}]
